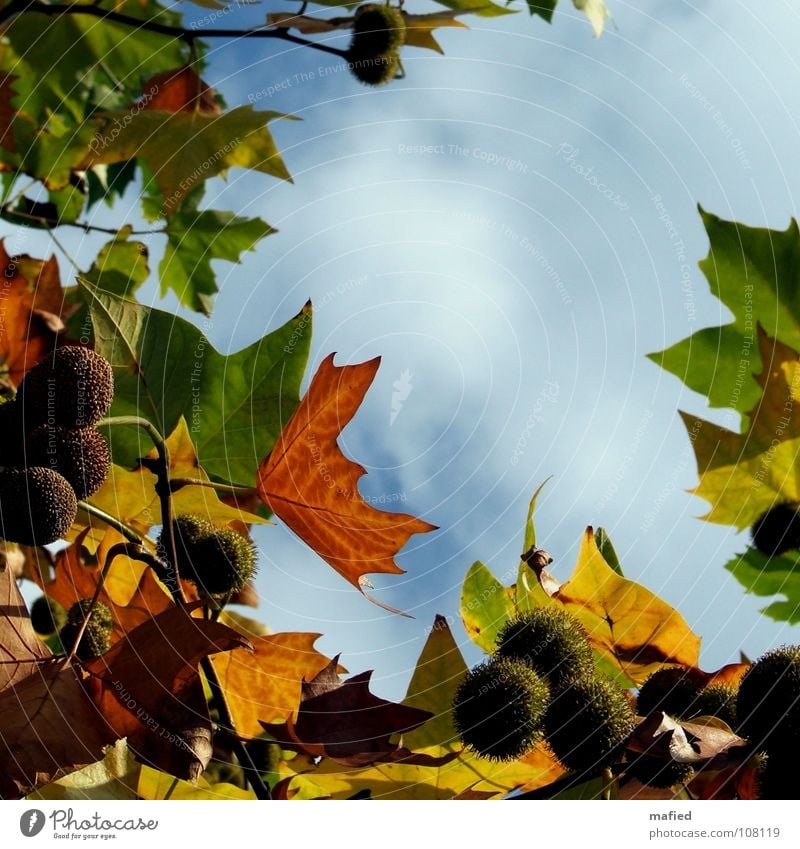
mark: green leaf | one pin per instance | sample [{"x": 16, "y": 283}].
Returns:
[
  {"x": 165, "y": 368},
  {"x": 57, "y": 60},
  {"x": 114, "y": 777},
  {"x": 755, "y": 272},
  {"x": 527, "y": 591},
  {"x": 108, "y": 182},
  {"x": 482, "y": 8},
  {"x": 769, "y": 576},
  {"x": 543, "y": 8},
  {"x": 184, "y": 149},
  {"x": 193, "y": 240},
  {"x": 485, "y": 606},
  {"x": 607, "y": 550},
  {"x": 68, "y": 203}
]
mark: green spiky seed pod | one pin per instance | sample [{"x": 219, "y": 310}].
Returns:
[
  {"x": 499, "y": 708},
  {"x": 672, "y": 690},
  {"x": 80, "y": 455},
  {"x": 216, "y": 561},
  {"x": 551, "y": 642},
  {"x": 188, "y": 529},
  {"x": 377, "y": 29},
  {"x": 778, "y": 530},
  {"x": 226, "y": 562},
  {"x": 47, "y": 616},
  {"x": 587, "y": 722},
  {"x": 777, "y": 778},
  {"x": 37, "y": 506},
  {"x": 717, "y": 700},
  {"x": 375, "y": 70},
  {"x": 96, "y": 638},
  {"x": 768, "y": 706},
  {"x": 655, "y": 772},
  {"x": 72, "y": 387}
]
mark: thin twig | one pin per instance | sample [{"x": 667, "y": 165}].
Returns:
[{"x": 187, "y": 35}]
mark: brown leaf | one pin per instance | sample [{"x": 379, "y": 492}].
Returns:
[
  {"x": 148, "y": 689},
  {"x": 180, "y": 90},
  {"x": 661, "y": 736},
  {"x": 75, "y": 578},
  {"x": 265, "y": 684},
  {"x": 20, "y": 648},
  {"x": 30, "y": 287},
  {"x": 48, "y": 729},
  {"x": 351, "y": 726},
  {"x": 313, "y": 487}
]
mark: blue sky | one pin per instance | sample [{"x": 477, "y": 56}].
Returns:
[{"x": 513, "y": 227}]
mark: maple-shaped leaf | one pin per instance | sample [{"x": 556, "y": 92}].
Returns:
[
  {"x": 631, "y": 628},
  {"x": 307, "y": 24},
  {"x": 195, "y": 238},
  {"x": 753, "y": 271},
  {"x": 482, "y": 8},
  {"x": 763, "y": 575},
  {"x": 32, "y": 301},
  {"x": 48, "y": 726},
  {"x": 313, "y": 487},
  {"x": 244, "y": 397},
  {"x": 347, "y": 723},
  {"x": 179, "y": 90},
  {"x": 451, "y": 771},
  {"x": 184, "y": 149},
  {"x": 265, "y": 683},
  {"x": 744, "y": 474},
  {"x": 74, "y": 579},
  {"x": 419, "y": 28},
  {"x": 147, "y": 688}
]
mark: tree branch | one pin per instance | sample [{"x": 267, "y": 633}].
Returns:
[{"x": 17, "y": 7}]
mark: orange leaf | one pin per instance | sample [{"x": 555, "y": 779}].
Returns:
[
  {"x": 180, "y": 90},
  {"x": 313, "y": 487},
  {"x": 265, "y": 684},
  {"x": 31, "y": 296}
]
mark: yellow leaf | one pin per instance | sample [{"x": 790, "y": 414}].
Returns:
[
  {"x": 419, "y": 28},
  {"x": 744, "y": 474},
  {"x": 157, "y": 786},
  {"x": 632, "y": 628}
]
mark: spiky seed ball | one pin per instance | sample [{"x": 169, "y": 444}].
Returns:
[
  {"x": 79, "y": 454},
  {"x": 226, "y": 561},
  {"x": 72, "y": 387},
  {"x": 499, "y": 707},
  {"x": 777, "y": 779},
  {"x": 768, "y": 706},
  {"x": 375, "y": 70},
  {"x": 377, "y": 29},
  {"x": 778, "y": 530},
  {"x": 587, "y": 722},
  {"x": 37, "y": 505},
  {"x": 550, "y": 641},
  {"x": 47, "y": 616},
  {"x": 188, "y": 529},
  {"x": 655, "y": 772},
  {"x": 96, "y": 638},
  {"x": 717, "y": 700},
  {"x": 672, "y": 690}
]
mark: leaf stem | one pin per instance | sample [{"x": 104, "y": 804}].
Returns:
[
  {"x": 177, "y": 483},
  {"x": 111, "y": 521},
  {"x": 181, "y": 33}
]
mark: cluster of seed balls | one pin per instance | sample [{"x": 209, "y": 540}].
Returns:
[
  {"x": 218, "y": 561},
  {"x": 540, "y": 683},
  {"x": 48, "y": 617},
  {"x": 52, "y": 455},
  {"x": 378, "y": 34}
]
